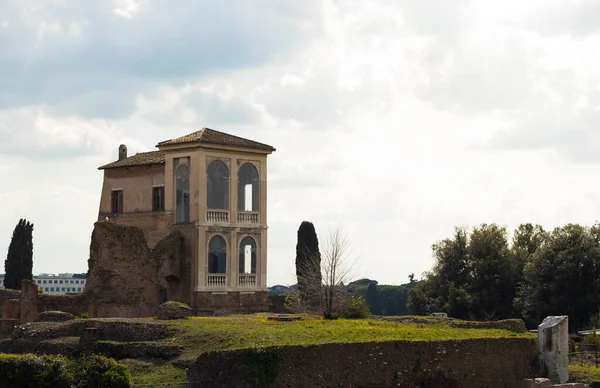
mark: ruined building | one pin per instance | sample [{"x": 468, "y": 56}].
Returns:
[{"x": 209, "y": 190}]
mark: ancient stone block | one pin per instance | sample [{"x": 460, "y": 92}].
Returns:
[
  {"x": 543, "y": 383},
  {"x": 553, "y": 348}
]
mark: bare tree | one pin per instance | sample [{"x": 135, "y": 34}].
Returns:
[{"x": 337, "y": 266}]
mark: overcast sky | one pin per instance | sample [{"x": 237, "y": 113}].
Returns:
[{"x": 394, "y": 119}]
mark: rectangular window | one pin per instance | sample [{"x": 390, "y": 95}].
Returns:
[
  {"x": 158, "y": 199},
  {"x": 56, "y": 282},
  {"x": 76, "y": 281},
  {"x": 78, "y": 288},
  {"x": 51, "y": 289},
  {"x": 44, "y": 281},
  {"x": 68, "y": 289},
  {"x": 62, "y": 289},
  {"x": 117, "y": 201},
  {"x": 46, "y": 289}
]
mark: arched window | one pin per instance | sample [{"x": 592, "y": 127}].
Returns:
[
  {"x": 182, "y": 188},
  {"x": 217, "y": 255},
  {"x": 247, "y": 255},
  {"x": 217, "y": 186},
  {"x": 248, "y": 188}
]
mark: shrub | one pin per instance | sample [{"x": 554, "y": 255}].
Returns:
[
  {"x": 83, "y": 316},
  {"x": 94, "y": 371},
  {"x": 592, "y": 338},
  {"x": 32, "y": 371},
  {"x": 29, "y": 370},
  {"x": 293, "y": 303},
  {"x": 354, "y": 307},
  {"x": 173, "y": 310}
]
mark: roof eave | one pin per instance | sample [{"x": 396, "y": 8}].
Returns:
[{"x": 109, "y": 167}]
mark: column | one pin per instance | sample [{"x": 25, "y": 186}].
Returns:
[
  {"x": 233, "y": 196},
  {"x": 232, "y": 268},
  {"x": 201, "y": 258}
]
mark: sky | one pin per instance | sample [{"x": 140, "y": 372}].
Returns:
[{"x": 394, "y": 120}]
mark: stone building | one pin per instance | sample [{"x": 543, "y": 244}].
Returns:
[{"x": 212, "y": 187}]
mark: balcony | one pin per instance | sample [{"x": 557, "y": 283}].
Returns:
[
  {"x": 247, "y": 218},
  {"x": 217, "y": 216},
  {"x": 216, "y": 280},
  {"x": 247, "y": 280}
]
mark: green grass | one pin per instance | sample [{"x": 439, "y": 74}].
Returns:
[
  {"x": 583, "y": 373},
  {"x": 201, "y": 335},
  {"x": 154, "y": 372}
]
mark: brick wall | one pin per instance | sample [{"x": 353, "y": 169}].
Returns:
[{"x": 476, "y": 363}]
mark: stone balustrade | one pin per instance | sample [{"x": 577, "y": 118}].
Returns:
[{"x": 216, "y": 280}]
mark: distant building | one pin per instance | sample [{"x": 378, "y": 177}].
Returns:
[{"x": 63, "y": 283}]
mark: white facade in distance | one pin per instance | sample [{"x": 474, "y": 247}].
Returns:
[{"x": 63, "y": 283}]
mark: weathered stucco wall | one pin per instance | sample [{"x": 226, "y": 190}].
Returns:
[
  {"x": 477, "y": 363},
  {"x": 136, "y": 183}
]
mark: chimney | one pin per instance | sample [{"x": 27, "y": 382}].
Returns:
[{"x": 122, "y": 152}]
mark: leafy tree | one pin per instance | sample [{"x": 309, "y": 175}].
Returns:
[
  {"x": 19, "y": 261},
  {"x": 562, "y": 277},
  {"x": 373, "y": 299},
  {"x": 308, "y": 261},
  {"x": 494, "y": 273},
  {"x": 474, "y": 277}
]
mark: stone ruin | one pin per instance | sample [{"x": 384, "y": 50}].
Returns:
[{"x": 553, "y": 348}]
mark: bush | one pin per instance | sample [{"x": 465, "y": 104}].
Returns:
[
  {"x": 94, "y": 371},
  {"x": 31, "y": 371},
  {"x": 83, "y": 316},
  {"x": 354, "y": 307},
  {"x": 173, "y": 310},
  {"x": 293, "y": 303}
]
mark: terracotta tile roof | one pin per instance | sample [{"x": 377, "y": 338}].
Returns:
[
  {"x": 210, "y": 136},
  {"x": 139, "y": 159}
]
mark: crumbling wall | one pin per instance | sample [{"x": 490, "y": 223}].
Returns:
[
  {"x": 125, "y": 276},
  {"x": 29, "y": 301},
  {"x": 477, "y": 363},
  {"x": 6, "y": 294},
  {"x": 75, "y": 304},
  {"x": 155, "y": 225}
]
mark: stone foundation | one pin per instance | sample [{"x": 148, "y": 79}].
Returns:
[
  {"x": 473, "y": 363},
  {"x": 218, "y": 303}
]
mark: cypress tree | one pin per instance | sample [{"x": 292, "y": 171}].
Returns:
[
  {"x": 308, "y": 262},
  {"x": 373, "y": 299},
  {"x": 19, "y": 261}
]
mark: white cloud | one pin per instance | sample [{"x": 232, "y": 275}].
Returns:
[{"x": 395, "y": 120}]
